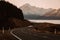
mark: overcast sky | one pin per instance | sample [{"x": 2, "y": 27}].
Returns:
[{"x": 39, "y": 3}]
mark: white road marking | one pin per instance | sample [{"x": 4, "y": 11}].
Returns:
[{"x": 15, "y": 35}]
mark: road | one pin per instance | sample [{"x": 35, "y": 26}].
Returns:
[
  {"x": 27, "y": 34},
  {"x": 14, "y": 34}
]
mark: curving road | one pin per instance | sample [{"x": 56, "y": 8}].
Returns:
[
  {"x": 14, "y": 34},
  {"x": 26, "y": 34}
]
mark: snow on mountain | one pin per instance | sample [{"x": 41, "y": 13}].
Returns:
[
  {"x": 28, "y": 9},
  {"x": 55, "y": 12}
]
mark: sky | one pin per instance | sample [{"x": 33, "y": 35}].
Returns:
[{"x": 55, "y": 4}]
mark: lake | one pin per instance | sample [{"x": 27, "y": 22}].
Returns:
[{"x": 49, "y": 21}]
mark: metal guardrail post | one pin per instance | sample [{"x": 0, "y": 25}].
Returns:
[{"x": 54, "y": 31}]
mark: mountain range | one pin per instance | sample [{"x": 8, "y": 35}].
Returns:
[
  {"x": 32, "y": 12},
  {"x": 55, "y": 12},
  {"x": 28, "y": 9}
]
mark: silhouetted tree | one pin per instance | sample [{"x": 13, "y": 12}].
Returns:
[{"x": 8, "y": 10}]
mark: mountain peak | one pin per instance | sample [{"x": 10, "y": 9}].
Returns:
[
  {"x": 28, "y": 9},
  {"x": 26, "y": 5}
]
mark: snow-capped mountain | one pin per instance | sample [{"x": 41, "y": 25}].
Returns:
[
  {"x": 28, "y": 9},
  {"x": 33, "y": 12},
  {"x": 55, "y": 12}
]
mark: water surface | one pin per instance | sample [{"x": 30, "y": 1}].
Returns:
[{"x": 49, "y": 21}]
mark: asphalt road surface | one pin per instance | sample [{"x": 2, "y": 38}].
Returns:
[{"x": 26, "y": 34}]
